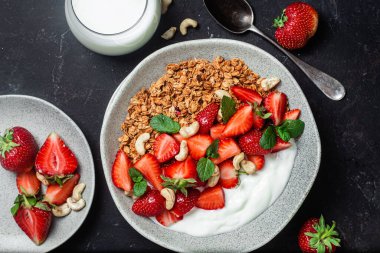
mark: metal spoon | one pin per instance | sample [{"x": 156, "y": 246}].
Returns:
[{"x": 237, "y": 17}]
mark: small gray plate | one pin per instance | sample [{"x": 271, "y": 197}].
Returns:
[
  {"x": 267, "y": 225},
  {"x": 41, "y": 118}
]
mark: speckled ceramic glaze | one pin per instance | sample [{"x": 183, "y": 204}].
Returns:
[
  {"x": 267, "y": 225},
  {"x": 41, "y": 118}
]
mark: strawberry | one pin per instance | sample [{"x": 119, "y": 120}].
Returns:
[
  {"x": 150, "y": 168},
  {"x": 183, "y": 204},
  {"x": 258, "y": 160},
  {"x": 178, "y": 138},
  {"x": 229, "y": 177},
  {"x": 292, "y": 114},
  {"x": 185, "y": 169},
  {"x": 316, "y": 236},
  {"x": 246, "y": 95},
  {"x": 250, "y": 143},
  {"x": 55, "y": 158},
  {"x": 227, "y": 149},
  {"x": 57, "y": 195},
  {"x": 258, "y": 122},
  {"x": 165, "y": 147},
  {"x": 211, "y": 198},
  {"x": 276, "y": 103},
  {"x": 240, "y": 122},
  {"x": 216, "y": 131},
  {"x": 18, "y": 150},
  {"x": 280, "y": 145},
  {"x": 120, "y": 172},
  {"x": 27, "y": 183},
  {"x": 198, "y": 145},
  {"x": 168, "y": 218},
  {"x": 150, "y": 204},
  {"x": 206, "y": 117},
  {"x": 297, "y": 24}
]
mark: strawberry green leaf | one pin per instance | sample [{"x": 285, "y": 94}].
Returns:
[
  {"x": 6, "y": 142},
  {"x": 178, "y": 183},
  {"x": 212, "y": 150},
  {"x": 268, "y": 140},
  {"x": 280, "y": 21},
  {"x": 15, "y": 208},
  {"x": 42, "y": 206},
  {"x": 164, "y": 124},
  {"x": 228, "y": 108},
  {"x": 139, "y": 188},
  {"x": 205, "y": 169}
]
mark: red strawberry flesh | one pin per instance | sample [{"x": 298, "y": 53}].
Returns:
[
  {"x": 183, "y": 204},
  {"x": 246, "y": 95},
  {"x": 227, "y": 149},
  {"x": 168, "y": 218},
  {"x": 198, "y": 145},
  {"x": 216, "y": 131},
  {"x": 206, "y": 118},
  {"x": 27, "y": 183},
  {"x": 276, "y": 103},
  {"x": 185, "y": 169},
  {"x": 229, "y": 177},
  {"x": 150, "y": 204},
  {"x": 240, "y": 123},
  {"x": 250, "y": 143},
  {"x": 211, "y": 198},
  {"x": 150, "y": 168},
  {"x": 57, "y": 195},
  {"x": 165, "y": 147},
  {"x": 292, "y": 114},
  {"x": 120, "y": 172}
]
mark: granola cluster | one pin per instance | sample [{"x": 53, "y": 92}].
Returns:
[{"x": 185, "y": 89}]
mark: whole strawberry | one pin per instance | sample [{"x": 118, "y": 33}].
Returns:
[
  {"x": 18, "y": 149},
  {"x": 206, "y": 118},
  {"x": 316, "y": 236},
  {"x": 150, "y": 204},
  {"x": 296, "y": 25}
]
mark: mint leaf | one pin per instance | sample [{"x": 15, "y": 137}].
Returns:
[
  {"x": 283, "y": 133},
  {"x": 139, "y": 188},
  {"x": 136, "y": 175},
  {"x": 290, "y": 129},
  {"x": 212, "y": 150},
  {"x": 268, "y": 140},
  {"x": 205, "y": 169},
  {"x": 228, "y": 108},
  {"x": 164, "y": 124},
  {"x": 266, "y": 115}
]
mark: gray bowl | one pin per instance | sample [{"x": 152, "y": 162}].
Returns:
[{"x": 267, "y": 225}]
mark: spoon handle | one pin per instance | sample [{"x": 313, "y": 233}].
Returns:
[{"x": 331, "y": 87}]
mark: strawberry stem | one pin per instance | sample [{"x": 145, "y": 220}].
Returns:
[
  {"x": 280, "y": 21},
  {"x": 6, "y": 142}
]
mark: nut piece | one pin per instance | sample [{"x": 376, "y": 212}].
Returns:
[
  {"x": 187, "y": 23},
  {"x": 189, "y": 131},
  {"x": 221, "y": 93},
  {"x": 140, "y": 143},
  {"x": 183, "y": 151},
  {"x": 237, "y": 160},
  {"x": 76, "y": 206},
  {"x": 248, "y": 166},
  {"x": 269, "y": 83},
  {"x": 42, "y": 179},
  {"x": 77, "y": 191},
  {"x": 169, "y": 34},
  {"x": 214, "y": 179},
  {"x": 219, "y": 117},
  {"x": 61, "y": 211},
  {"x": 169, "y": 196},
  {"x": 165, "y": 5}
]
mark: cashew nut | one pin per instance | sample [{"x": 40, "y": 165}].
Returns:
[
  {"x": 77, "y": 191},
  {"x": 221, "y": 93},
  {"x": 189, "y": 131},
  {"x": 213, "y": 180},
  {"x": 169, "y": 196},
  {"x": 248, "y": 166},
  {"x": 269, "y": 83},
  {"x": 42, "y": 179},
  {"x": 61, "y": 211},
  {"x": 183, "y": 151},
  {"x": 237, "y": 160},
  {"x": 187, "y": 23},
  {"x": 219, "y": 118},
  {"x": 140, "y": 143},
  {"x": 76, "y": 206},
  {"x": 165, "y": 5},
  {"x": 169, "y": 34}
]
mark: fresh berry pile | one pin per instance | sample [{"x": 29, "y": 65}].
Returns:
[{"x": 190, "y": 167}]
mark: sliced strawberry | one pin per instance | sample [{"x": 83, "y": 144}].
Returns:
[
  {"x": 258, "y": 122},
  {"x": 229, "y": 177},
  {"x": 216, "y": 131},
  {"x": 27, "y": 183},
  {"x": 250, "y": 143},
  {"x": 183, "y": 204},
  {"x": 150, "y": 204},
  {"x": 240, "y": 122},
  {"x": 165, "y": 147},
  {"x": 178, "y": 138},
  {"x": 227, "y": 149},
  {"x": 168, "y": 218},
  {"x": 57, "y": 195},
  {"x": 185, "y": 169},
  {"x": 276, "y": 103},
  {"x": 198, "y": 145},
  {"x": 258, "y": 160},
  {"x": 55, "y": 158},
  {"x": 246, "y": 95},
  {"x": 280, "y": 145},
  {"x": 120, "y": 171},
  {"x": 150, "y": 168},
  {"x": 211, "y": 198},
  {"x": 292, "y": 114},
  {"x": 206, "y": 117}
]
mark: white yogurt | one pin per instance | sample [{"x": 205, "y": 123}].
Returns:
[{"x": 245, "y": 202}]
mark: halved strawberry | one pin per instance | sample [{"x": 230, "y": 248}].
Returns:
[
  {"x": 120, "y": 171},
  {"x": 216, "y": 131},
  {"x": 198, "y": 145},
  {"x": 258, "y": 160},
  {"x": 150, "y": 204},
  {"x": 211, "y": 198},
  {"x": 206, "y": 117},
  {"x": 27, "y": 183},
  {"x": 178, "y": 137},
  {"x": 227, "y": 149},
  {"x": 168, "y": 218},
  {"x": 57, "y": 195},
  {"x": 258, "y": 122},
  {"x": 280, "y": 145},
  {"x": 185, "y": 169},
  {"x": 229, "y": 177},
  {"x": 276, "y": 103},
  {"x": 250, "y": 143},
  {"x": 183, "y": 204},
  {"x": 150, "y": 168},
  {"x": 246, "y": 95},
  {"x": 292, "y": 114},
  {"x": 55, "y": 158},
  {"x": 240, "y": 122},
  {"x": 165, "y": 147}
]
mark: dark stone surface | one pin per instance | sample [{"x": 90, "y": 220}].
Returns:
[{"x": 40, "y": 57}]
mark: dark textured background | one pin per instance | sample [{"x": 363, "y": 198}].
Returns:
[{"x": 40, "y": 57}]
